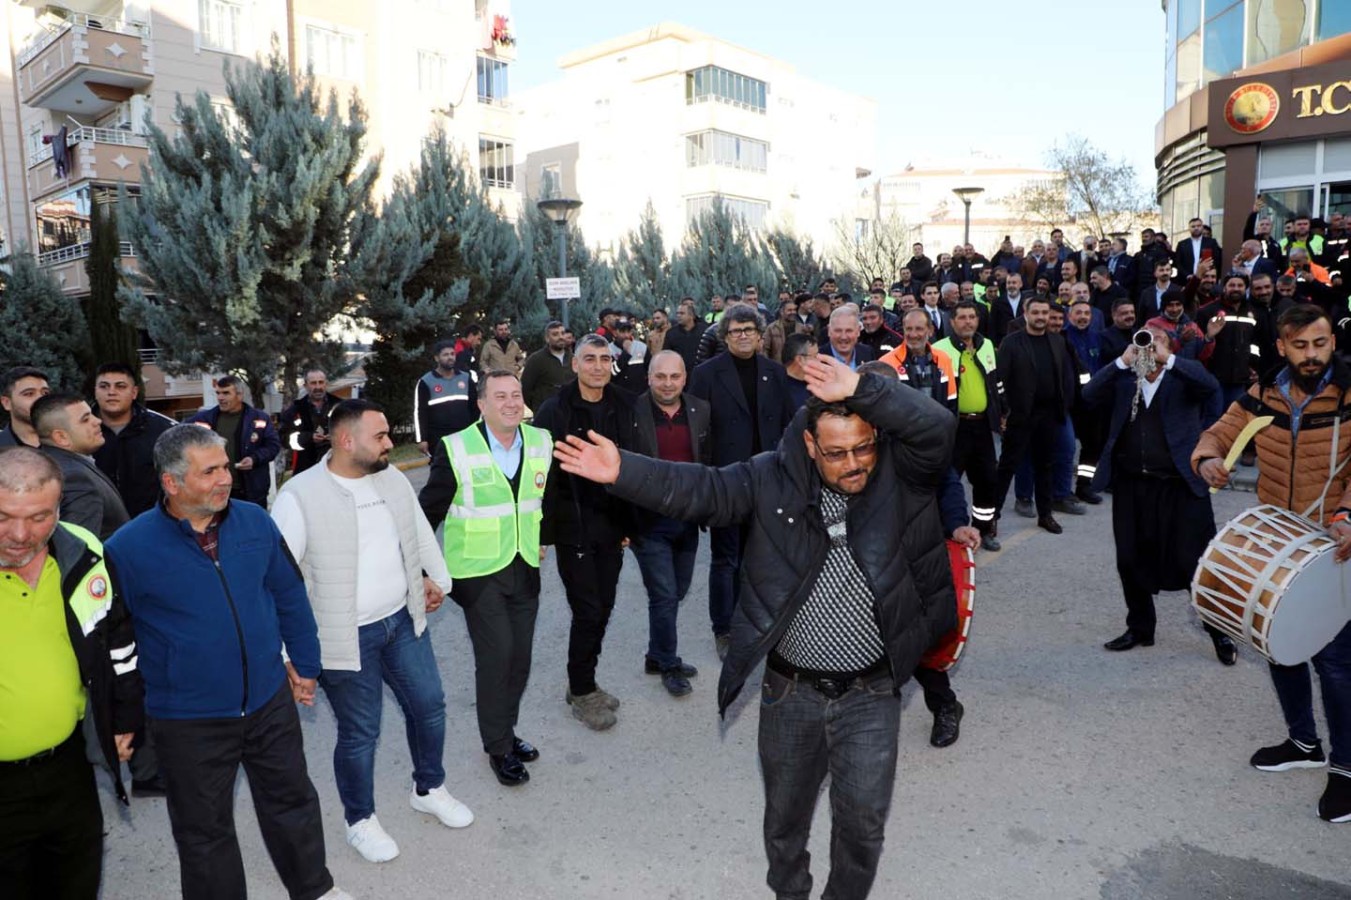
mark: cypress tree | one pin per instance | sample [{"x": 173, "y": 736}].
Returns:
[
  {"x": 111, "y": 339},
  {"x": 40, "y": 325}
]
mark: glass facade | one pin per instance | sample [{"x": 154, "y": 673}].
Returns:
[
  {"x": 1212, "y": 39},
  {"x": 492, "y": 81},
  {"x": 496, "y": 162},
  {"x": 719, "y": 148},
  {"x": 725, "y": 86},
  {"x": 752, "y": 213}
]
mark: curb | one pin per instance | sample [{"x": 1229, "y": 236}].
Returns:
[{"x": 409, "y": 465}]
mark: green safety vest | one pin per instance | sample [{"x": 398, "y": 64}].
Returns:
[
  {"x": 486, "y": 526},
  {"x": 92, "y": 597},
  {"x": 1314, "y": 245}
]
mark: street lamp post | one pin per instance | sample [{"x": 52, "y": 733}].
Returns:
[
  {"x": 560, "y": 210},
  {"x": 966, "y": 195}
]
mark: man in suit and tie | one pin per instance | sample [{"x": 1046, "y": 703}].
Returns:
[
  {"x": 1122, "y": 266},
  {"x": 842, "y": 337},
  {"x": 749, "y": 407},
  {"x": 1154, "y": 297},
  {"x": 70, "y": 433},
  {"x": 1004, "y": 309},
  {"x": 939, "y": 318},
  {"x": 1194, "y": 248}
]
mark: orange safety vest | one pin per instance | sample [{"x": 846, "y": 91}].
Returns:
[{"x": 896, "y": 359}]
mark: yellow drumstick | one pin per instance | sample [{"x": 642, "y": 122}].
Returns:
[{"x": 1244, "y": 438}]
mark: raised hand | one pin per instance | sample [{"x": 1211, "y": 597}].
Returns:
[
  {"x": 595, "y": 459},
  {"x": 829, "y": 379}
]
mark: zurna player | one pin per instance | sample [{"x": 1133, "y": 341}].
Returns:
[{"x": 1310, "y": 398}]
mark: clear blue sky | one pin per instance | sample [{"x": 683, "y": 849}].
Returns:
[{"x": 939, "y": 71}]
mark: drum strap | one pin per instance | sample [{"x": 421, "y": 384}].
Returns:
[{"x": 1333, "y": 468}]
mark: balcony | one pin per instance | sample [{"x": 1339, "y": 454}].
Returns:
[
  {"x": 66, "y": 265},
  {"x": 87, "y": 65},
  {"x": 106, "y": 155}
]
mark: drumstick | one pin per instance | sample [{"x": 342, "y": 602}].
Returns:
[{"x": 1241, "y": 443}]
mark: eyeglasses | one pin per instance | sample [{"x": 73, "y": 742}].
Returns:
[
  {"x": 743, "y": 332},
  {"x": 861, "y": 452}
]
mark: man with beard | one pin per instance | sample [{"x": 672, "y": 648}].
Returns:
[
  {"x": 502, "y": 352},
  {"x": 1105, "y": 290},
  {"x": 548, "y": 368},
  {"x": 684, "y": 336},
  {"x": 1188, "y": 341},
  {"x": 919, "y": 365},
  {"x": 1308, "y": 397},
  {"x": 1193, "y": 249},
  {"x": 1004, "y": 309},
  {"x": 1154, "y": 297},
  {"x": 445, "y": 399},
  {"x": 1263, "y": 291},
  {"x": 354, "y": 527},
  {"x": 1117, "y": 337},
  {"x": 1232, "y": 324},
  {"x": 847, "y": 580},
  {"x": 305, "y": 422},
  {"x": 20, "y": 388},
  {"x": 1161, "y": 514}
]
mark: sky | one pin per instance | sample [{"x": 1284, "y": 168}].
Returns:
[{"x": 996, "y": 76}]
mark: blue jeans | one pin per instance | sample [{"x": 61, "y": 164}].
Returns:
[
  {"x": 391, "y": 654},
  {"x": 1294, "y": 688},
  {"x": 803, "y": 736},
  {"x": 724, "y": 576},
  {"x": 666, "y": 559},
  {"x": 1062, "y": 467}
]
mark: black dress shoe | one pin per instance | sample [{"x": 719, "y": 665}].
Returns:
[
  {"x": 1050, "y": 524},
  {"x": 989, "y": 542},
  {"x": 150, "y": 787},
  {"x": 523, "y": 751},
  {"x": 650, "y": 667},
  {"x": 1225, "y": 650},
  {"x": 509, "y": 770},
  {"x": 947, "y": 725},
  {"x": 1128, "y": 640},
  {"x": 676, "y": 684},
  {"x": 1088, "y": 495}
]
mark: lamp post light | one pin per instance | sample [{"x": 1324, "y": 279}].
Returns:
[
  {"x": 560, "y": 211},
  {"x": 966, "y": 195}
]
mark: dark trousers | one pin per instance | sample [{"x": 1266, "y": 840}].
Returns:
[
  {"x": 937, "y": 687},
  {"x": 973, "y": 455},
  {"x": 666, "y": 557},
  {"x": 803, "y": 736},
  {"x": 1294, "y": 688},
  {"x": 1034, "y": 438},
  {"x": 144, "y": 765},
  {"x": 1091, "y": 427},
  {"x": 590, "y": 578},
  {"x": 501, "y": 623},
  {"x": 200, "y": 758},
  {"x": 51, "y": 827},
  {"x": 724, "y": 582}
]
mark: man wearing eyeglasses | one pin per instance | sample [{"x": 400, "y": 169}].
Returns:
[{"x": 846, "y": 584}]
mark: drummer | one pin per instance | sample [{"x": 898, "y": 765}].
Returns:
[
  {"x": 1161, "y": 514},
  {"x": 1310, "y": 396}
]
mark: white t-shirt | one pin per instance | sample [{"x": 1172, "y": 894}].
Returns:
[{"x": 382, "y": 584}]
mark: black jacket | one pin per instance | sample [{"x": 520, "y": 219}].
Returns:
[
  {"x": 543, "y": 375},
  {"x": 1186, "y": 265},
  {"x": 1018, "y": 365},
  {"x": 1147, "y": 304},
  {"x": 645, "y": 439},
  {"x": 686, "y": 343},
  {"x": 128, "y": 458},
  {"x": 298, "y": 424},
  {"x": 1002, "y": 314},
  {"x": 894, "y": 525},
  {"x": 577, "y": 512},
  {"x": 1238, "y": 346},
  {"x": 717, "y": 382}
]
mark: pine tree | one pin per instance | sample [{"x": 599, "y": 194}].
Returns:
[
  {"x": 799, "y": 268},
  {"x": 530, "y": 310},
  {"x": 111, "y": 339},
  {"x": 243, "y": 227},
  {"x": 40, "y": 325},
  {"x": 720, "y": 253},
  {"x": 642, "y": 270}
]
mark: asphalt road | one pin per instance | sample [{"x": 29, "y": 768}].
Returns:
[{"x": 1079, "y": 773}]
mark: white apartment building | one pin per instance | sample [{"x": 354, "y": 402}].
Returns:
[
  {"x": 678, "y": 117},
  {"x": 922, "y": 197},
  {"x": 97, "y": 67}
]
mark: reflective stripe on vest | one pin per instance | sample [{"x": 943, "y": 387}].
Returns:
[
  {"x": 486, "y": 527},
  {"x": 92, "y": 599}
]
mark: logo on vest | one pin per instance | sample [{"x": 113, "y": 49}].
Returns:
[
  {"x": 436, "y": 389},
  {"x": 97, "y": 587},
  {"x": 539, "y": 481}
]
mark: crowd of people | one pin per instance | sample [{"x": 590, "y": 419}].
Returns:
[{"x": 823, "y": 440}]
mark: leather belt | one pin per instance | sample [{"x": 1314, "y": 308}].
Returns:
[
  {"x": 833, "y": 686},
  {"x": 44, "y": 755}
]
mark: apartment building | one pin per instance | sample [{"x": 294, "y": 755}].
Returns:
[
  {"x": 83, "y": 77},
  {"x": 679, "y": 118}
]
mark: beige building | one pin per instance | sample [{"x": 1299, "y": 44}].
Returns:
[
  {"x": 678, "y": 118},
  {"x": 92, "y": 70}
]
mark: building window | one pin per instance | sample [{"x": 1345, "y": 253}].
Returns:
[
  {"x": 222, "y": 25},
  {"x": 724, "y": 86},
  {"x": 333, "y": 53},
  {"x": 1224, "y": 44},
  {"x": 1333, "y": 19},
  {"x": 550, "y": 181},
  {"x": 492, "y": 81},
  {"x": 752, "y": 213},
  {"x": 1278, "y": 26},
  {"x": 431, "y": 73},
  {"x": 496, "y": 162},
  {"x": 719, "y": 148},
  {"x": 1189, "y": 66},
  {"x": 1188, "y": 16}
]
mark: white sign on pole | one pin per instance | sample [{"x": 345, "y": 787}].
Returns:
[{"x": 563, "y": 288}]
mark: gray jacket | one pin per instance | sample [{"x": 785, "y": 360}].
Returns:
[{"x": 88, "y": 498}]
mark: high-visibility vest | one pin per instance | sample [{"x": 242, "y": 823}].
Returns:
[{"x": 486, "y": 525}]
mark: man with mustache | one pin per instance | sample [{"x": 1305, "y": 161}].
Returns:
[{"x": 1309, "y": 398}]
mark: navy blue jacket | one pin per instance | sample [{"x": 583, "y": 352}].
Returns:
[
  {"x": 717, "y": 382},
  {"x": 210, "y": 636},
  {"x": 952, "y": 502},
  {"x": 257, "y": 438},
  {"x": 1190, "y": 402}
]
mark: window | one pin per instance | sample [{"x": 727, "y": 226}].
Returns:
[
  {"x": 1189, "y": 66},
  {"x": 1333, "y": 19},
  {"x": 496, "y": 162},
  {"x": 720, "y": 148},
  {"x": 1188, "y": 16},
  {"x": 550, "y": 181},
  {"x": 492, "y": 81},
  {"x": 35, "y": 145},
  {"x": 1224, "y": 44},
  {"x": 1277, "y": 26},
  {"x": 713, "y": 83},
  {"x": 222, "y": 25},
  {"x": 431, "y": 73},
  {"x": 752, "y": 213},
  {"x": 333, "y": 53}
]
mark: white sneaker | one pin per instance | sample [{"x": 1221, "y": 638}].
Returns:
[
  {"x": 439, "y": 803},
  {"x": 372, "y": 842},
  {"x": 337, "y": 893}
]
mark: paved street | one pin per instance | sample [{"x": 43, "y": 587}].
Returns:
[{"x": 1079, "y": 773}]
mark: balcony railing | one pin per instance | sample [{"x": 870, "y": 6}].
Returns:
[
  {"x": 46, "y": 38},
  {"x": 116, "y": 136},
  {"x": 79, "y": 251}
]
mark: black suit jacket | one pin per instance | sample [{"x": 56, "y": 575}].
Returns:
[
  {"x": 716, "y": 381},
  {"x": 88, "y": 498},
  {"x": 1147, "y": 305},
  {"x": 1018, "y": 365},
  {"x": 1186, "y": 265},
  {"x": 863, "y": 353}
]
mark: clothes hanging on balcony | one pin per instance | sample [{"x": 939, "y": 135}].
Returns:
[{"x": 61, "y": 153}]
